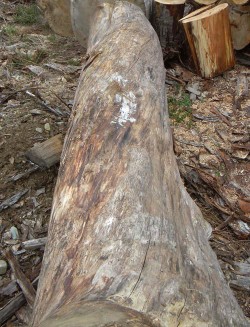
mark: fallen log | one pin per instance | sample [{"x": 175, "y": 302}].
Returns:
[{"x": 126, "y": 246}]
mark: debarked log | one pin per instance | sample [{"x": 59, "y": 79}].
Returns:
[{"x": 126, "y": 245}]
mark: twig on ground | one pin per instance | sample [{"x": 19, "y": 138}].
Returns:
[
  {"x": 24, "y": 174},
  {"x": 175, "y": 79},
  {"x": 59, "y": 98},
  {"x": 37, "y": 98},
  {"x": 225, "y": 223}
]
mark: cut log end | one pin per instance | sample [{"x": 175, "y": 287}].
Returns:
[{"x": 209, "y": 37}]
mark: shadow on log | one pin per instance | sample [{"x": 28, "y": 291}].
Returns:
[{"x": 127, "y": 246}]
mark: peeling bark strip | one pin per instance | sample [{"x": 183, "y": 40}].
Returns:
[{"x": 123, "y": 229}]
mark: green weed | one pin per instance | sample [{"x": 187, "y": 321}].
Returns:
[
  {"x": 52, "y": 38},
  {"x": 27, "y": 15},
  {"x": 180, "y": 109},
  {"x": 9, "y": 30},
  {"x": 74, "y": 62}
]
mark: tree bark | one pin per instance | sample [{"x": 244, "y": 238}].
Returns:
[
  {"x": 166, "y": 22},
  {"x": 126, "y": 246}
]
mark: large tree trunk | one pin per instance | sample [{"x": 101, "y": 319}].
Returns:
[{"x": 126, "y": 243}]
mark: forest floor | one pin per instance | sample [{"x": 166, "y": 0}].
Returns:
[{"x": 210, "y": 121}]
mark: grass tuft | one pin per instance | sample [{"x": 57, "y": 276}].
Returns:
[
  {"x": 180, "y": 109},
  {"x": 27, "y": 15},
  {"x": 9, "y": 30}
]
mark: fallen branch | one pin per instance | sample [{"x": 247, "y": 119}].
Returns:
[
  {"x": 25, "y": 285},
  {"x": 13, "y": 306},
  {"x": 225, "y": 223},
  {"x": 175, "y": 79}
]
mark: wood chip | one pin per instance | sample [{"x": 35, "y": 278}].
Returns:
[
  {"x": 34, "y": 244},
  {"x": 48, "y": 153}
]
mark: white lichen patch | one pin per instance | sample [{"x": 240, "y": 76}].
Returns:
[
  {"x": 128, "y": 107},
  {"x": 119, "y": 79},
  {"x": 125, "y": 100}
]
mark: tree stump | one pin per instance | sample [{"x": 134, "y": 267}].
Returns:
[
  {"x": 209, "y": 36},
  {"x": 127, "y": 246}
]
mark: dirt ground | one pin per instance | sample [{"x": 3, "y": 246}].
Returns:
[{"x": 211, "y": 142}]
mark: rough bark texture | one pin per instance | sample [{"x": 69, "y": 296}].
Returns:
[
  {"x": 209, "y": 37},
  {"x": 166, "y": 22},
  {"x": 123, "y": 229}
]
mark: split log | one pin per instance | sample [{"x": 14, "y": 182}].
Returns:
[
  {"x": 127, "y": 246},
  {"x": 210, "y": 2},
  {"x": 240, "y": 2},
  {"x": 209, "y": 37},
  {"x": 240, "y": 26}
]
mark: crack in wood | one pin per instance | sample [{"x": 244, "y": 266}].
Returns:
[{"x": 143, "y": 265}]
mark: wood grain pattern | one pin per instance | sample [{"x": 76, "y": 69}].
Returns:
[
  {"x": 209, "y": 37},
  {"x": 125, "y": 238}
]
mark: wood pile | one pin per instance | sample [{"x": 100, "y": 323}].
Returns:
[{"x": 211, "y": 52}]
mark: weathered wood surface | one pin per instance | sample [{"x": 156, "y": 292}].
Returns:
[
  {"x": 240, "y": 26},
  {"x": 209, "y": 38},
  {"x": 57, "y": 13},
  {"x": 47, "y": 153},
  {"x": 127, "y": 246}
]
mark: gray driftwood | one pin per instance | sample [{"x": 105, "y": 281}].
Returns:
[{"x": 127, "y": 246}]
